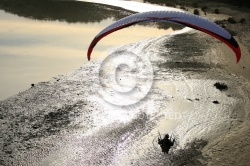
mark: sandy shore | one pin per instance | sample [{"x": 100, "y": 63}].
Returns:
[
  {"x": 64, "y": 122},
  {"x": 233, "y": 146}
]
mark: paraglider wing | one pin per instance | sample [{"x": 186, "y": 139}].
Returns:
[{"x": 186, "y": 19}]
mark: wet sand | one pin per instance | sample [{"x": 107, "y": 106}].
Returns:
[
  {"x": 231, "y": 147},
  {"x": 68, "y": 109}
]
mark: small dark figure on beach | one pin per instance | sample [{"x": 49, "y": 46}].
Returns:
[{"x": 165, "y": 143}]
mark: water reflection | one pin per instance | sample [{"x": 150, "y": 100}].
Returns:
[{"x": 32, "y": 51}]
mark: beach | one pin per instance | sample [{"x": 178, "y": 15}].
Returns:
[
  {"x": 66, "y": 121},
  {"x": 232, "y": 148}
]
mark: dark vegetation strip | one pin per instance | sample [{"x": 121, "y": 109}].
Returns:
[
  {"x": 194, "y": 3},
  {"x": 69, "y": 10}
]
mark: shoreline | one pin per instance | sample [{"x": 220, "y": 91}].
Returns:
[
  {"x": 57, "y": 105},
  {"x": 232, "y": 147}
]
